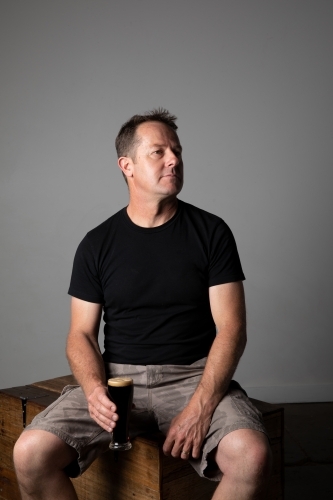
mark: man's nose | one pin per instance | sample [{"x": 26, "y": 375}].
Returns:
[{"x": 172, "y": 159}]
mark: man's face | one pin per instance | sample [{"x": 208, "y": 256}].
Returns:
[{"x": 157, "y": 168}]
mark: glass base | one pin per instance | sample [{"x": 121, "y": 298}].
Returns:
[{"x": 120, "y": 446}]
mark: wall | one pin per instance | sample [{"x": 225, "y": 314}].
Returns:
[{"x": 251, "y": 83}]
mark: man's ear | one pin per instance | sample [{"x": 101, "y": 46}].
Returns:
[{"x": 125, "y": 164}]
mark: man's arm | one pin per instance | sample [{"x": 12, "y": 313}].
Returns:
[
  {"x": 86, "y": 362},
  {"x": 189, "y": 428}
]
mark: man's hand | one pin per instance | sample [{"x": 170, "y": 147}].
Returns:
[
  {"x": 102, "y": 409},
  {"x": 187, "y": 432}
]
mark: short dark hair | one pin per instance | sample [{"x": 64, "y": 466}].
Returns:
[{"x": 126, "y": 138}]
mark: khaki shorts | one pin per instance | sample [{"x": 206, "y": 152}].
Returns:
[{"x": 160, "y": 393}]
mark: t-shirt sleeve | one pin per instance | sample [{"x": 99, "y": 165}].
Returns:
[
  {"x": 85, "y": 282},
  {"x": 225, "y": 265}
]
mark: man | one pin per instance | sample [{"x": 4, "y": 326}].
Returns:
[{"x": 169, "y": 279}]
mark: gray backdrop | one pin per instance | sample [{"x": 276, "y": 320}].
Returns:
[{"x": 251, "y": 82}]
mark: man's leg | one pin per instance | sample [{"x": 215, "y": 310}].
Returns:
[
  {"x": 61, "y": 435},
  {"x": 39, "y": 459},
  {"x": 236, "y": 450},
  {"x": 244, "y": 457}
]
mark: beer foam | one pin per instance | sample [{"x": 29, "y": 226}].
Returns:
[{"x": 120, "y": 381}]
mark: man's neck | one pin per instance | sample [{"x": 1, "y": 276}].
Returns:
[{"x": 153, "y": 214}]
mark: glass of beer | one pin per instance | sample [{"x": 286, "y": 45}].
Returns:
[{"x": 121, "y": 393}]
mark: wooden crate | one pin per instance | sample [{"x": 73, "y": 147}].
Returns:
[{"x": 144, "y": 473}]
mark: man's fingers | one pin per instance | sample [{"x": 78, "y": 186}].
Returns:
[
  {"x": 173, "y": 445},
  {"x": 186, "y": 434},
  {"x": 106, "y": 423},
  {"x": 178, "y": 447},
  {"x": 196, "y": 451},
  {"x": 105, "y": 402},
  {"x": 185, "y": 455},
  {"x": 105, "y": 408},
  {"x": 102, "y": 409},
  {"x": 168, "y": 445},
  {"x": 183, "y": 447}
]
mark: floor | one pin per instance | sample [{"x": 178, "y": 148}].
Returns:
[{"x": 308, "y": 451}]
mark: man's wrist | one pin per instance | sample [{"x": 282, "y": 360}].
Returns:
[
  {"x": 89, "y": 386},
  {"x": 207, "y": 400}
]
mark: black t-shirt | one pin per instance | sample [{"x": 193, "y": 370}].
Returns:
[{"x": 153, "y": 284}]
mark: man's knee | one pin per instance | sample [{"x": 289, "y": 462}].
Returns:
[
  {"x": 24, "y": 455},
  {"x": 245, "y": 452},
  {"x": 37, "y": 451}
]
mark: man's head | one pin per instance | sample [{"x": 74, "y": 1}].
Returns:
[
  {"x": 150, "y": 155},
  {"x": 127, "y": 139}
]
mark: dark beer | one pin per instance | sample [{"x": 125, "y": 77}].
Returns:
[{"x": 121, "y": 393}]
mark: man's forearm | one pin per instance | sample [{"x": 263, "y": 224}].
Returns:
[
  {"x": 86, "y": 362},
  {"x": 222, "y": 362}
]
